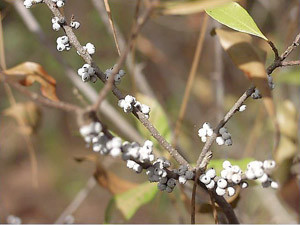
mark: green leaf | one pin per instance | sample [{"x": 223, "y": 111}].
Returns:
[
  {"x": 157, "y": 117},
  {"x": 189, "y": 7},
  {"x": 129, "y": 202},
  {"x": 236, "y": 17},
  {"x": 217, "y": 163}
]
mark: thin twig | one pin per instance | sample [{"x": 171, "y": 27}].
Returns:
[
  {"x": 227, "y": 117},
  {"x": 77, "y": 201},
  {"x": 198, "y": 172},
  {"x": 277, "y": 63},
  {"x": 133, "y": 69},
  {"x": 191, "y": 79},
  {"x": 106, "y": 108},
  {"x": 290, "y": 63},
  {"x": 12, "y": 100},
  {"x": 112, "y": 25},
  {"x": 45, "y": 101},
  {"x": 214, "y": 208},
  {"x": 217, "y": 77},
  {"x": 274, "y": 49},
  {"x": 110, "y": 82},
  {"x": 87, "y": 58}
]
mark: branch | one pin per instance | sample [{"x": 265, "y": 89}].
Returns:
[
  {"x": 191, "y": 79},
  {"x": 110, "y": 82},
  {"x": 106, "y": 108},
  {"x": 133, "y": 69},
  {"x": 278, "y": 62},
  {"x": 87, "y": 58},
  {"x": 290, "y": 63},
  {"x": 77, "y": 201},
  {"x": 44, "y": 101},
  {"x": 227, "y": 117}
]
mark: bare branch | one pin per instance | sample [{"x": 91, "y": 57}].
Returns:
[
  {"x": 191, "y": 79},
  {"x": 227, "y": 117},
  {"x": 110, "y": 82},
  {"x": 106, "y": 108},
  {"x": 133, "y": 69},
  {"x": 45, "y": 101},
  {"x": 77, "y": 201},
  {"x": 112, "y": 25},
  {"x": 290, "y": 63}
]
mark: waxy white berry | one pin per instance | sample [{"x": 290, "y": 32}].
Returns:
[
  {"x": 226, "y": 164},
  {"x": 201, "y": 132},
  {"x": 220, "y": 141},
  {"x": 242, "y": 108},
  {"x": 211, "y": 173},
  {"x": 222, "y": 183},
  {"x": 204, "y": 179},
  {"x": 220, "y": 191},
  {"x": 274, "y": 185},
  {"x": 236, "y": 178},
  {"x": 231, "y": 191},
  {"x": 244, "y": 184},
  {"x": 211, "y": 184}
]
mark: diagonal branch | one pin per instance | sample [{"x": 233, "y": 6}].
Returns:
[
  {"x": 112, "y": 25},
  {"x": 87, "y": 58},
  {"x": 191, "y": 79},
  {"x": 106, "y": 108},
  {"x": 110, "y": 82}
]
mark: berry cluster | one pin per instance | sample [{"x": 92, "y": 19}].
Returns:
[
  {"x": 75, "y": 24},
  {"x": 256, "y": 94},
  {"x": 224, "y": 138},
  {"x": 117, "y": 77},
  {"x": 129, "y": 102},
  {"x": 90, "y": 48},
  {"x": 261, "y": 171},
  {"x": 135, "y": 154},
  {"x": 59, "y": 3},
  {"x": 139, "y": 153},
  {"x": 87, "y": 73},
  {"x": 29, "y": 3},
  {"x": 158, "y": 173},
  {"x": 89, "y": 131},
  {"x": 205, "y": 132},
  {"x": 11, "y": 219},
  {"x": 63, "y": 43},
  {"x": 184, "y": 174},
  {"x": 270, "y": 82},
  {"x": 232, "y": 175},
  {"x": 226, "y": 182},
  {"x": 55, "y": 23}
]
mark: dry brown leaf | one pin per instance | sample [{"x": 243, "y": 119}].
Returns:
[
  {"x": 29, "y": 72},
  {"x": 28, "y": 115},
  {"x": 248, "y": 58},
  {"x": 108, "y": 180},
  {"x": 111, "y": 182}
]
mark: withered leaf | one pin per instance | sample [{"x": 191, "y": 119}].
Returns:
[{"x": 29, "y": 72}]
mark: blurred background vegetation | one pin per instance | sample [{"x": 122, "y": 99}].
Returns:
[{"x": 165, "y": 49}]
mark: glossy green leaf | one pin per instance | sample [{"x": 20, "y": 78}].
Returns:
[
  {"x": 129, "y": 202},
  {"x": 236, "y": 17},
  {"x": 189, "y": 7},
  {"x": 217, "y": 163}
]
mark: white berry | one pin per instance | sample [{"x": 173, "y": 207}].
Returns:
[
  {"x": 220, "y": 191},
  {"x": 222, "y": 183}
]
